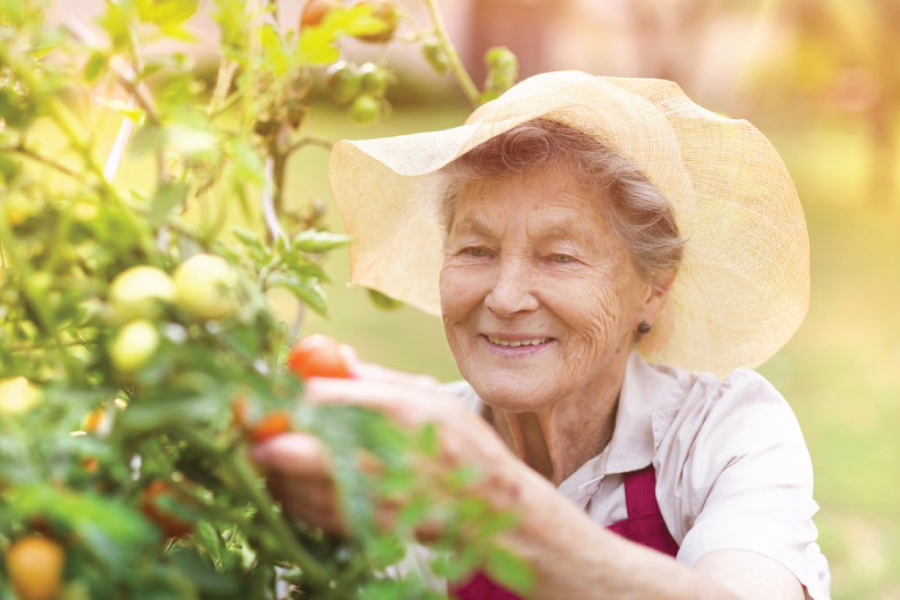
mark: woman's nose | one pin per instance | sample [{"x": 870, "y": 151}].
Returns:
[{"x": 512, "y": 291}]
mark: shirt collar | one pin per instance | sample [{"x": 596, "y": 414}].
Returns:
[{"x": 647, "y": 403}]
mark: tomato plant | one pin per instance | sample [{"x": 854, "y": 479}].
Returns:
[
  {"x": 139, "y": 356},
  {"x": 170, "y": 524}
]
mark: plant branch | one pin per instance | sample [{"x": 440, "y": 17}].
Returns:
[
  {"x": 68, "y": 125},
  {"x": 56, "y": 166},
  {"x": 310, "y": 140},
  {"x": 124, "y": 74},
  {"x": 34, "y": 299},
  {"x": 224, "y": 76},
  {"x": 459, "y": 71},
  {"x": 268, "y": 200}
]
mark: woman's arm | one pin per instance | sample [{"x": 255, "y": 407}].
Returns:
[{"x": 573, "y": 557}]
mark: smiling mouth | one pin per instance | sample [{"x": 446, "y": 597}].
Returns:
[{"x": 517, "y": 343}]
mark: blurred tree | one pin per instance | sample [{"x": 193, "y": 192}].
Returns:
[
  {"x": 843, "y": 55},
  {"x": 670, "y": 34},
  {"x": 523, "y": 26}
]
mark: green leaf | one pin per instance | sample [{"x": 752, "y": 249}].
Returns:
[
  {"x": 9, "y": 168},
  {"x": 95, "y": 66},
  {"x": 149, "y": 138},
  {"x": 509, "y": 570},
  {"x": 299, "y": 265},
  {"x": 275, "y": 55},
  {"x": 115, "y": 21},
  {"x": 383, "y": 301},
  {"x": 307, "y": 291},
  {"x": 316, "y": 46},
  {"x": 128, "y": 111},
  {"x": 191, "y": 139},
  {"x": 167, "y": 197},
  {"x": 166, "y": 13},
  {"x": 355, "y": 20},
  {"x": 248, "y": 164},
  {"x": 318, "y": 241}
]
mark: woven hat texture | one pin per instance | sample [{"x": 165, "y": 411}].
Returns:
[{"x": 743, "y": 287}]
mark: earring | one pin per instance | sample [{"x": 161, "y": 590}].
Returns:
[{"x": 644, "y": 327}]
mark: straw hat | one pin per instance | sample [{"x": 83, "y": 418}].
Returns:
[{"x": 743, "y": 287}]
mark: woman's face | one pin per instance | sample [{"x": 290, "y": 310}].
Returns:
[{"x": 537, "y": 292}]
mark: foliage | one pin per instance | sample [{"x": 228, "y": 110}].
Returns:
[{"x": 129, "y": 332}]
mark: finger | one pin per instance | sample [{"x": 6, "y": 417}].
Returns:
[
  {"x": 293, "y": 455},
  {"x": 366, "y": 370}
]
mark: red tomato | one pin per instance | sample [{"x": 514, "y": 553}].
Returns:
[
  {"x": 274, "y": 423},
  {"x": 314, "y": 12},
  {"x": 318, "y": 356},
  {"x": 170, "y": 525}
]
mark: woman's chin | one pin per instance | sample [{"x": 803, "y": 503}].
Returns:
[{"x": 512, "y": 394}]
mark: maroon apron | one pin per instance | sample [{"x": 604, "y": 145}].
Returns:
[{"x": 644, "y": 526}]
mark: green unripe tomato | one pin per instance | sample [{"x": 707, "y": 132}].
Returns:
[
  {"x": 342, "y": 82},
  {"x": 365, "y": 109},
  {"x": 435, "y": 56},
  {"x": 373, "y": 79},
  {"x": 206, "y": 287},
  {"x": 137, "y": 292},
  {"x": 134, "y": 346}
]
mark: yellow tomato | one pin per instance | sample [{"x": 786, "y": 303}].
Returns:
[
  {"x": 137, "y": 292},
  {"x": 18, "y": 396},
  {"x": 134, "y": 345},
  {"x": 35, "y": 565},
  {"x": 206, "y": 287}
]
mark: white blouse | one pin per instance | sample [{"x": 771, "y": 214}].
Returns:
[{"x": 732, "y": 468}]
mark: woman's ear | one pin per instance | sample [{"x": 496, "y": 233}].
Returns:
[{"x": 656, "y": 298}]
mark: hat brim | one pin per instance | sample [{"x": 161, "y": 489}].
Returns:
[{"x": 743, "y": 286}]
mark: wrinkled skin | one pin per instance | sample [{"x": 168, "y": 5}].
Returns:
[
  {"x": 528, "y": 255},
  {"x": 534, "y": 256}
]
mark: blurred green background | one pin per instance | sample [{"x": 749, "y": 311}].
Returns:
[{"x": 821, "y": 79}]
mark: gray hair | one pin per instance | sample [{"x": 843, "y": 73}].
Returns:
[{"x": 642, "y": 218}]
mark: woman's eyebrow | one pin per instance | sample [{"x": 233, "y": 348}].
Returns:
[
  {"x": 473, "y": 226},
  {"x": 562, "y": 231}
]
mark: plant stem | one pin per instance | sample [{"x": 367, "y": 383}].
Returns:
[
  {"x": 224, "y": 76},
  {"x": 31, "y": 154},
  {"x": 459, "y": 71},
  {"x": 34, "y": 300},
  {"x": 219, "y": 513},
  {"x": 247, "y": 482},
  {"x": 310, "y": 140},
  {"x": 67, "y": 123}
]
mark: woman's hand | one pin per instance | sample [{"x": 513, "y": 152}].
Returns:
[{"x": 299, "y": 472}]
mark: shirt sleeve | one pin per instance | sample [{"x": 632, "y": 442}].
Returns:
[{"x": 746, "y": 479}]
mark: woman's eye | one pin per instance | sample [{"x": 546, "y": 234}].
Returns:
[
  {"x": 562, "y": 258},
  {"x": 476, "y": 251}
]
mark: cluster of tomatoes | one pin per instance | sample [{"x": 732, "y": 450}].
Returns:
[
  {"x": 36, "y": 562},
  {"x": 314, "y": 356},
  {"x": 204, "y": 287},
  {"x": 362, "y": 87}
]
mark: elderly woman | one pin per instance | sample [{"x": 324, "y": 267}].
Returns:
[{"x": 568, "y": 228}]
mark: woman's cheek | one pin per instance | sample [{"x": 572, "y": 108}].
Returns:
[
  {"x": 459, "y": 299},
  {"x": 592, "y": 319}
]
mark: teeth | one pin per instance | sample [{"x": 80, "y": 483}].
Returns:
[{"x": 500, "y": 342}]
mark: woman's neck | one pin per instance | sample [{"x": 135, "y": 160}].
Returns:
[{"x": 557, "y": 440}]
